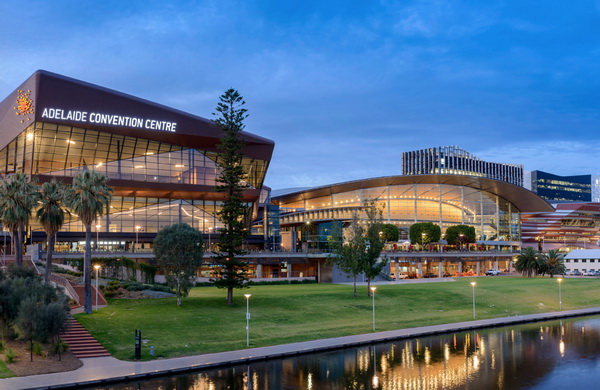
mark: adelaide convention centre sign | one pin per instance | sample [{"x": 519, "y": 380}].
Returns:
[{"x": 108, "y": 119}]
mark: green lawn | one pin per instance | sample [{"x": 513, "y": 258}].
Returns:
[
  {"x": 284, "y": 314},
  {"x": 4, "y": 371}
]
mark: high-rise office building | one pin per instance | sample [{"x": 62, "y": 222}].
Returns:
[
  {"x": 555, "y": 188},
  {"x": 452, "y": 160}
]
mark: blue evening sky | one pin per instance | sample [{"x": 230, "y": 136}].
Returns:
[{"x": 342, "y": 87}]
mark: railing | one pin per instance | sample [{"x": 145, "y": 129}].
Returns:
[{"x": 65, "y": 283}]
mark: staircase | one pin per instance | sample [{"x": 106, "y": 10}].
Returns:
[
  {"x": 80, "y": 291},
  {"x": 81, "y": 342}
]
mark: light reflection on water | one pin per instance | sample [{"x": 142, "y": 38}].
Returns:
[{"x": 545, "y": 355}]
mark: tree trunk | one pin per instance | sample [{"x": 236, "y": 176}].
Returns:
[
  {"x": 230, "y": 295},
  {"x": 368, "y": 287},
  {"x": 354, "y": 286},
  {"x": 19, "y": 248},
  {"x": 87, "y": 271},
  {"x": 49, "y": 252}
]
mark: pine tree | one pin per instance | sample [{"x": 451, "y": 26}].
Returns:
[{"x": 234, "y": 211}]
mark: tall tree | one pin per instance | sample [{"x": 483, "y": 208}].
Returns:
[
  {"x": 88, "y": 197},
  {"x": 51, "y": 215},
  {"x": 18, "y": 196},
  {"x": 231, "y": 182},
  {"x": 372, "y": 262},
  {"x": 528, "y": 262},
  {"x": 178, "y": 251},
  {"x": 348, "y": 254}
]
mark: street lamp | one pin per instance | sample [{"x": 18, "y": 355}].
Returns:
[
  {"x": 209, "y": 230},
  {"x": 97, "y": 228},
  {"x": 559, "y": 280},
  {"x": 97, "y": 268},
  {"x": 373, "y": 293},
  {"x": 247, "y": 319},
  {"x": 137, "y": 233},
  {"x": 461, "y": 236},
  {"x": 473, "y": 284},
  {"x": 423, "y": 235}
]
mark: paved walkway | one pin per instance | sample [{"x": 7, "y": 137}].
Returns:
[{"x": 96, "y": 371}]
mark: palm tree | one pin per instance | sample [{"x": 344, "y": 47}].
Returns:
[
  {"x": 18, "y": 196},
  {"x": 528, "y": 262},
  {"x": 554, "y": 263},
  {"x": 51, "y": 215},
  {"x": 88, "y": 197}
]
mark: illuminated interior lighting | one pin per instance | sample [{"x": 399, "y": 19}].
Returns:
[
  {"x": 149, "y": 153},
  {"x": 29, "y": 136},
  {"x": 70, "y": 142},
  {"x": 179, "y": 166},
  {"x": 139, "y": 166}
]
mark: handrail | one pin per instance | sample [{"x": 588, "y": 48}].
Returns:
[{"x": 65, "y": 283}]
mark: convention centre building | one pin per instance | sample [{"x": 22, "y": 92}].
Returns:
[
  {"x": 306, "y": 218},
  {"x": 161, "y": 162}
]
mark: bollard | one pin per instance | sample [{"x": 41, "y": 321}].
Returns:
[
  {"x": 138, "y": 344},
  {"x": 152, "y": 350}
]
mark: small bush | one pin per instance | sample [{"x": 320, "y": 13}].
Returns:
[
  {"x": 37, "y": 349},
  {"x": 11, "y": 356},
  {"x": 59, "y": 347},
  {"x": 109, "y": 294}
]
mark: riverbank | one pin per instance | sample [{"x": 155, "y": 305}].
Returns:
[{"x": 104, "y": 370}]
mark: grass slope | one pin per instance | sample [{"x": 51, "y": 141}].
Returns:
[{"x": 285, "y": 314}]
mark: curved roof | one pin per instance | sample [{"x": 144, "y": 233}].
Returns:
[
  {"x": 523, "y": 199},
  {"x": 46, "y": 90}
]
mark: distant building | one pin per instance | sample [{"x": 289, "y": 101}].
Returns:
[
  {"x": 554, "y": 188},
  {"x": 452, "y": 160},
  {"x": 583, "y": 260}
]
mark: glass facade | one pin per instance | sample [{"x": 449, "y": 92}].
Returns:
[
  {"x": 556, "y": 188},
  {"x": 493, "y": 217},
  {"x": 63, "y": 151}
]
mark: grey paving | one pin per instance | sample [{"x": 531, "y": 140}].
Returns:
[{"x": 108, "y": 369}]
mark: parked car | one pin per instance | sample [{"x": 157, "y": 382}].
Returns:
[
  {"x": 493, "y": 272},
  {"x": 591, "y": 272},
  {"x": 575, "y": 273}
]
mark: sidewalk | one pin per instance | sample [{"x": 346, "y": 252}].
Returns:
[{"x": 96, "y": 371}]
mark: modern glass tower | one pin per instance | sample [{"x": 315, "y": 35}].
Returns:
[{"x": 162, "y": 163}]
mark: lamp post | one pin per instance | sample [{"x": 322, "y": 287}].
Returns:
[
  {"x": 373, "y": 294},
  {"x": 97, "y": 228},
  {"x": 460, "y": 239},
  {"x": 473, "y": 285},
  {"x": 423, "y": 235},
  {"x": 559, "y": 280},
  {"x": 209, "y": 230},
  {"x": 97, "y": 268},
  {"x": 137, "y": 233},
  {"x": 247, "y": 319}
]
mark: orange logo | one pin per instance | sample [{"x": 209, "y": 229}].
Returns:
[{"x": 24, "y": 104}]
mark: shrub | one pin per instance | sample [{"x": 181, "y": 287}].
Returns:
[
  {"x": 37, "y": 349},
  {"x": 1, "y": 346},
  {"x": 11, "y": 356},
  {"x": 109, "y": 294},
  {"x": 60, "y": 347}
]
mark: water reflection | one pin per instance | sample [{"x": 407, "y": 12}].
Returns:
[{"x": 538, "y": 355}]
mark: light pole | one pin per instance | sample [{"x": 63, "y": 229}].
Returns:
[
  {"x": 97, "y": 228},
  {"x": 137, "y": 233},
  {"x": 247, "y": 319},
  {"x": 97, "y": 268},
  {"x": 473, "y": 284},
  {"x": 209, "y": 230},
  {"x": 373, "y": 293},
  {"x": 461, "y": 237},
  {"x": 423, "y": 235},
  {"x": 559, "y": 280}
]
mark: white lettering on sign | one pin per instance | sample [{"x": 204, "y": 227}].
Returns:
[{"x": 108, "y": 119}]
